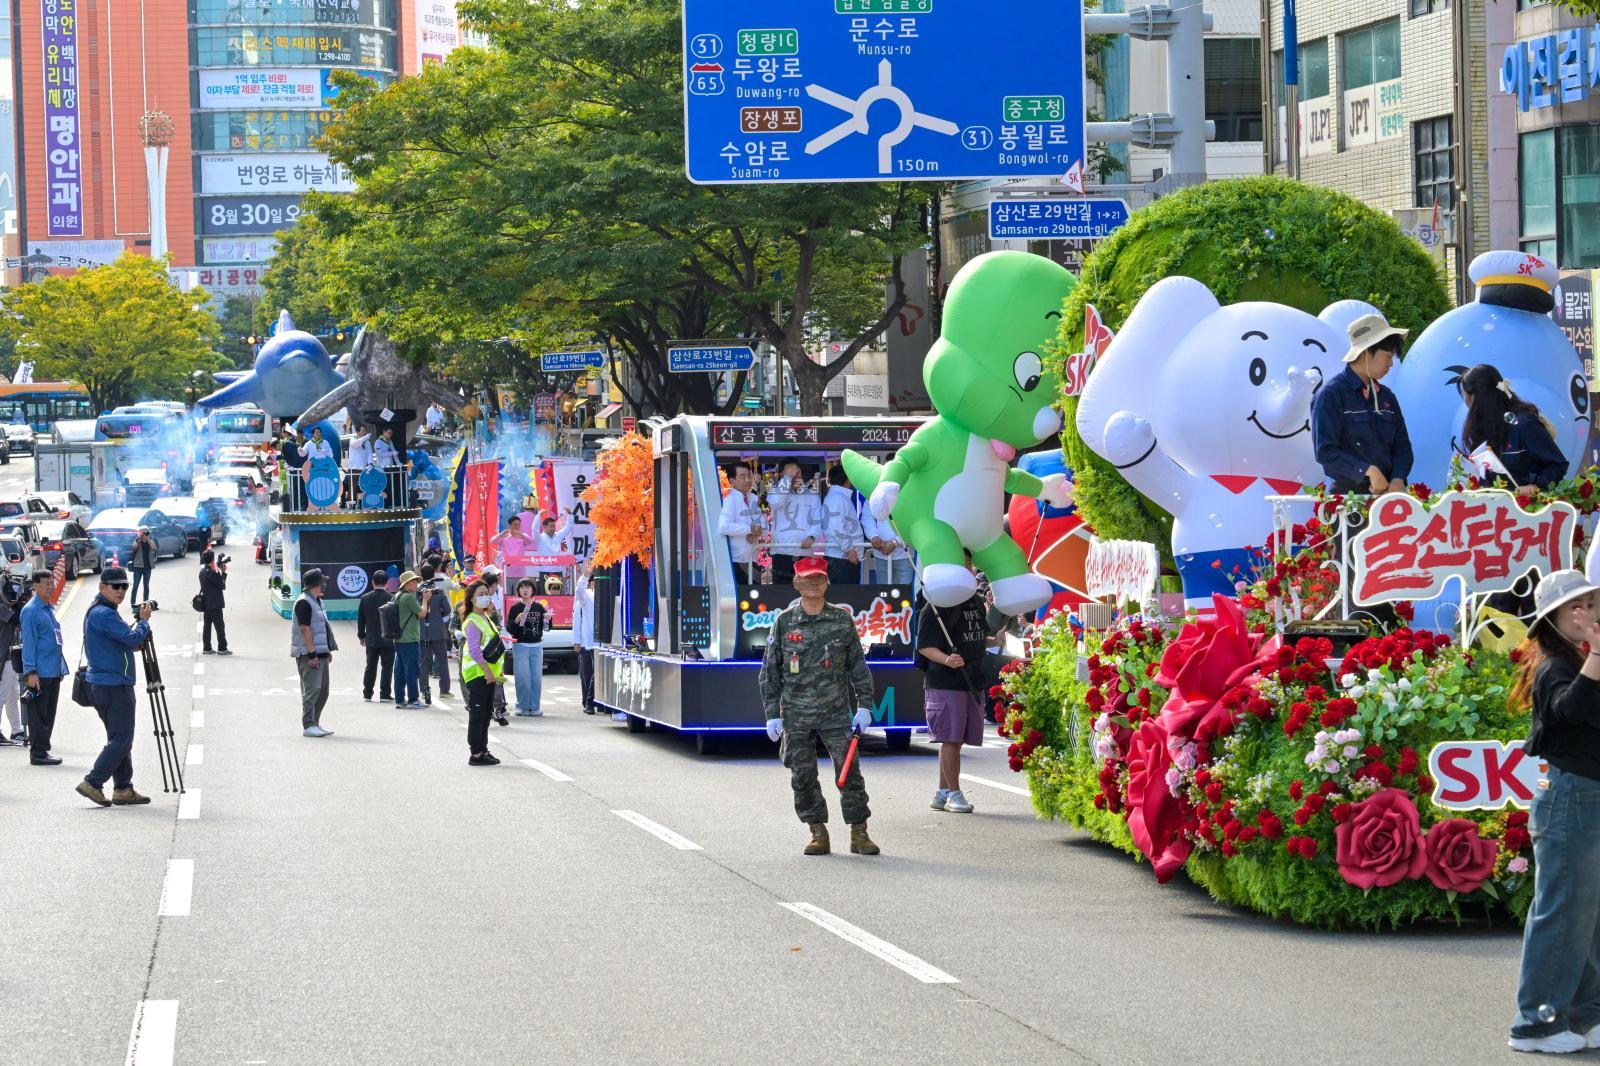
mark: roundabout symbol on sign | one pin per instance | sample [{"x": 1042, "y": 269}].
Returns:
[{"x": 910, "y": 117}]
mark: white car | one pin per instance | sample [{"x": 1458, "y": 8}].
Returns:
[
  {"x": 28, "y": 505},
  {"x": 68, "y": 505},
  {"x": 21, "y": 437}
]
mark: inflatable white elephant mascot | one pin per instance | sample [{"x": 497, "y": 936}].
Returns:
[{"x": 1206, "y": 410}]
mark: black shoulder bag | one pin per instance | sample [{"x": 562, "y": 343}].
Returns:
[{"x": 82, "y": 694}]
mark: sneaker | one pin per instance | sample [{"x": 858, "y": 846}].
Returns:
[
  {"x": 224, "y": 651},
  {"x": 482, "y": 759},
  {"x": 19, "y": 739},
  {"x": 207, "y": 651},
  {"x": 315, "y": 731},
  {"x": 417, "y": 705},
  {"x": 939, "y": 799},
  {"x": 1592, "y": 1037},
  {"x": 524, "y": 714},
  {"x": 957, "y": 803},
  {"x": 367, "y": 696},
  {"x": 44, "y": 760},
  {"x": 427, "y": 700},
  {"x": 1554, "y": 1044},
  {"x": 94, "y": 795},
  {"x": 536, "y": 714}
]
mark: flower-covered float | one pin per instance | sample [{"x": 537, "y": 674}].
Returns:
[{"x": 1376, "y": 781}]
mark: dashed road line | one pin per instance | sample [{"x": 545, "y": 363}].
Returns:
[
  {"x": 995, "y": 784},
  {"x": 189, "y": 805},
  {"x": 198, "y": 692},
  {"x": 154, "y": 1039},
  {"x": 195, "y": 756},
  {"x": 549, "y": 771},
  {"x": 177, "y": 891},
  {"x": 197, "y": 719},
  {"x": 658, "y": 831},
  {"x": 904, "y": 961},
  {"x": 199, "y": 669}
]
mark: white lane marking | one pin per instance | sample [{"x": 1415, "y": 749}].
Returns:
[
  {"x": 925, "y": 972},
  {"x": 199, "y": 669},
  {"x": 197, "y": 719},
  {"x": 995, "y": 784},
  {"x": 199, "y": 627},
  {"x": 659, "y": 831},
  {"x": 154, "y": 1039},
  {"x": 178, "y": 889},
  {"x": 196, "y": 755},
  {"x": 198, "y": 692},
  {"x": 189, "y": 804},
  {"x": 549, "y": 771}
]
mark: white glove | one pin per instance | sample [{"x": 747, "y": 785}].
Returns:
[
  {"x": 774, "y": 729},
  {"x": 883, "y": 498},
  {"x": 863, "y": 719},
  {"x": 1057, "y": 491}
]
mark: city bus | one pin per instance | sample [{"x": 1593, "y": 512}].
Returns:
[
  {"x": 42, "y": 403},
  {"x": 246, "y": 424},
  {"x": 147, "y": 439}
]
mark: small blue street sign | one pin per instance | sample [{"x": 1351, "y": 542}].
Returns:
[
  {"x": 709, "y": 358},
  {"x": 882, "y": 90},
  {"x": 561, "y": 362},
  {"x": 1061, "y": 218}
]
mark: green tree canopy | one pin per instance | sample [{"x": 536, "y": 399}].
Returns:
[
  {"x": 123, "y": 330},
  {"x": 536, "y": 191}
]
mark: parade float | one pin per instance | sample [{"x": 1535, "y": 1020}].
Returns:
[{"x": 1272, "y": 741}]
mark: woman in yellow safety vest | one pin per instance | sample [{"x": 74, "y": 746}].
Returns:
[{"x": 479, "y": 674}]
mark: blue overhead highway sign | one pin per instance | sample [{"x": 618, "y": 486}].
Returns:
[
  {"x": 1060, "y": 218},
  {"x": 879, "y": 90}
]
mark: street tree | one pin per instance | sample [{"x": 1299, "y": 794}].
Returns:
[
  {"x": 122, "y": 330},
  {"x": 539, "y": 187}
]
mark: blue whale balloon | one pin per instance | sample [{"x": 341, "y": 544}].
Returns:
[
  {"x": 292, "y": 372},
  {"x": 1508, "y": 327}
]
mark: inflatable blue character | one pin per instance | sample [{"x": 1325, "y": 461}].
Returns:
[
  {"x": 430, "y": 486},
  {"x": 322, "y": 483},
  {"x": 1509, "y": 328},
  {"x": 291, "y": 371},
  {"x": 374, "y": 488}
]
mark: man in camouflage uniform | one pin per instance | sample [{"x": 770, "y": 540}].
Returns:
[{"x": 813, "y": 673}]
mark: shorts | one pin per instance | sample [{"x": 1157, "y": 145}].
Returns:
[{"x": 954, "y": 717}]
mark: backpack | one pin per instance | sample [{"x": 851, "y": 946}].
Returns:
[{"x": 389, "y": 620}]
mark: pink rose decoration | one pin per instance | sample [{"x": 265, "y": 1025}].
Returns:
[
  {"x": 1155, "y": 815},
  {"x": 1459, "y": 860},
  {"x": 1380, "y": 843},
  {"x": 1209, "y": 657}
]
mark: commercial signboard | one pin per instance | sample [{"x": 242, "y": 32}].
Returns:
[
  {"x": 63, "y": 145},
  {"x": 867, "y": 90},
  {"x": 216, "y": 250},
  {"x": 281, "y": 172},
  {"x": 76, "y": 254},
  {"x": 225, "y": 216},
  {"x": 273, "y": 88},
  {"x": 438, "y": 31},
  {"x": 1374, "y": 113},
  {"x": 1553, "y": 69}
]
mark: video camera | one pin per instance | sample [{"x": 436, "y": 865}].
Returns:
[{"x": 152, "y": 604}]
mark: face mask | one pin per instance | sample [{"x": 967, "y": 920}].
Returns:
[{"x": 482, "y": 602}]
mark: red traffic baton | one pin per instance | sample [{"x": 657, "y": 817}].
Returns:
[{"x": 849, "y": 758}]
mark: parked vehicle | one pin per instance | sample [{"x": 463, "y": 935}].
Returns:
[
  {"x": 68, "y": 537},
  {"x": 143, "y": 485},
  {"x": 191, "y": 515},
  {"x": 18, "y": 562},
  {"x": 28, "y": 505},
  {"x": 68, "y": 505},
  {"x": 114, "y": 531},
  {"x": 20, "y": 436}
]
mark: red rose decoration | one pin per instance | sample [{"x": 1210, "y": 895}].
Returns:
[
  {"x": 1380, "y": 843},
  {"x": 1459, "y": 860},
  {"x": 1155, "y": 815},
  {"x": 1208, "y": 658}
]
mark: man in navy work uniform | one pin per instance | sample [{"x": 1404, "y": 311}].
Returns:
[
  {"x": 1356, "y": 426},
  {"x": 108, "y": 644}
]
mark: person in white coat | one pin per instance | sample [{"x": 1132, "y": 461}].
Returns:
[
  {"x": 742, "y": 522},
  {"x": 357, "y": 457},
  {"x": 583, "y": 634},
  {"x": 890, "y": 559},
  {"x": 796, "y": 506},
  {"x": 841, "y": 530},
  {"x": 553, "y": 541}
]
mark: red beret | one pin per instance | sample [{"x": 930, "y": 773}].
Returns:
[{"x": 811, "y": 565}]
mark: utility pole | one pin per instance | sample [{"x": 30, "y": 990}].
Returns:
[{"x": 1291, "y": 88}]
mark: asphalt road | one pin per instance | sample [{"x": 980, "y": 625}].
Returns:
[{"x": 369, "y": 898}]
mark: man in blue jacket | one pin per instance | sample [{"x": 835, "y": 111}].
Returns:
[
  {"x": 109, "y": 643},
  {"x": 43, "y": 666}
]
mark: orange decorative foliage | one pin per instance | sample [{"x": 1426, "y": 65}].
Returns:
[{"x": 622, "y": 501}]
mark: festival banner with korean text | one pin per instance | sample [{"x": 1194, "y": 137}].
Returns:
[
  {"x": 63, "y": 159},
  {"x": 571, "y": 479},
  {"x": 1409, "y": 552},
  {"x": 480, "y": 509}
]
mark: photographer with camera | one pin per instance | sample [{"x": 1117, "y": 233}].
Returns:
[
  {"x": 108, "y": 644},
  {"x": 141, "y": 560},
  {"x": 43, "y": 667},
  {"x": 213, "y": 580}
]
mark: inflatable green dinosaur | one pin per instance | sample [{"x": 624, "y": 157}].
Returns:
[{"x": 945, "y": 490}]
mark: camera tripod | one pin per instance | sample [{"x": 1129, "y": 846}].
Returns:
[{"x": 166, "y": 744}]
